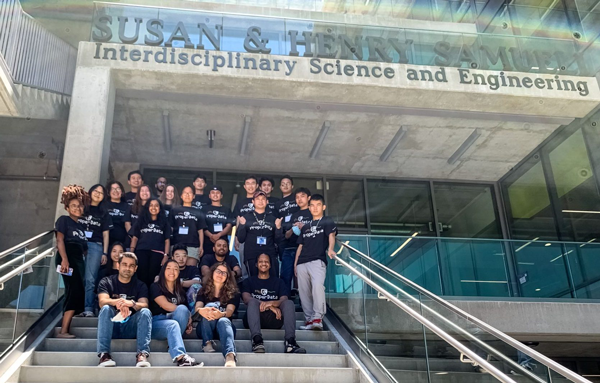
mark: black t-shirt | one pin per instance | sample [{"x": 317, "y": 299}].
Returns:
[
  {"x": 130, "y": 197},
  {"x": 186, "y": 222},
  {"x": 168, "y": 209},
  {"x": 201, "y": 200},
  {"x": 189, "y": 273},
  {"x": 95, "y": 223},
  {"x": 243, "y": 207},
  {"x": 155, "y": 292},
  {"x": 74, "y": 232},
  {"x": 152, "y": 235},
  {"x": 117, "y": 211},
  {"x": 217, "y": 217},
  {"x": 286, "y": 206},
  {"x": 314, "y": 238},
  {"x": 211, "y": 259},
  {"x": 111, "y": 285},
  {"x": 303, "y": 216},
  {"x": 215, "y": 302},
  {"x": 270, "y": 289},
  {"x": 271, "y": 205},
  {"x": 258, "y": 235},
  {"x": 130, "y": 216}
]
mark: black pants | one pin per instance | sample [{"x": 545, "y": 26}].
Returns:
[
  {"x": 74, "y": 285},
  {"x": 253, "y": 270},
  {"x": 148, "y": 265}
]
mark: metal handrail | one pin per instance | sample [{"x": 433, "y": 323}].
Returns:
[
  {"x": 24, "y": 266},
  {"x": 20, "y": 257},
  {"x": 23, "y": 244},
  {"x": 489, "y": 349},
  {"x": 495, "y": 372},
  {"x": 479, "y": 323}
]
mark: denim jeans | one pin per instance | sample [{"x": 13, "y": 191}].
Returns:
[
  {"x": 139, "y": 327},
  {"x": 224, "y": 328},
  {"x": 287, "y": 266},
  {"x": 171, "y": 327},
  {"x": 92, "y": 265}
]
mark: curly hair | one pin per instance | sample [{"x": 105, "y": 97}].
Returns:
[
  {"x": 229, "y": 289},
  {"x": 71, "y": 192}
]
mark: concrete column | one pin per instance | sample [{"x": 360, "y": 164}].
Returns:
[{"x": 87, "y": 144}]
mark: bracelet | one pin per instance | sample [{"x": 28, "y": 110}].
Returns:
[{"x": 105, "y": 254}]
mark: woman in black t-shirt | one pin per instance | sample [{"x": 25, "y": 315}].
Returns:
[
  {"x": 150, "y": 240},
  {"x": 135, "y": 210},
  {"x": 97, "y": 224},
  {"x": 117, "y": 208},
  {"x": 169, "y": 198},
  {"x": 216, "y": 302},
  {"x": 112, "y": 266},
  {"x": 170, "y": 315},
  {"x": 72, "y": 245}
]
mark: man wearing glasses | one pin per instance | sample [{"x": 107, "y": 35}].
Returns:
[{"x": 160, "y": 185}]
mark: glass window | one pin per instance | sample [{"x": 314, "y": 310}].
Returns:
[
  {"x": 346, "y": 203},
  {"x": 528, "y": 203},
  {"x": 179, "y": 178},
  {"x": 576, "y": 188},
  {"x": 400, "y": 208},
  {"x": 466, "y": 211}
]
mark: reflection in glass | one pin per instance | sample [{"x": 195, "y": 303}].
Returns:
[{"x": 346, "y": 203}]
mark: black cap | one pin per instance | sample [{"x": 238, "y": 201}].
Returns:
[
  {"x": 216, "y": 187},
  {"x": 259, "y": 192}
]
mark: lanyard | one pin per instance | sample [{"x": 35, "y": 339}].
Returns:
[
  {"x": 261, "y": 223},
  {"x": 318, "y": 222}
]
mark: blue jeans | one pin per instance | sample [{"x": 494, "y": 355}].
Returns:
[
  {"x": 171, "y": 327},
  {"x": 139, "y": 327},
  {"x": 92, "y": 265},
  {"x": 224, "y": 328},
  {"x": 287, "y": 267}
]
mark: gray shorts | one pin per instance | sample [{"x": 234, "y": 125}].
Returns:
[{"x": 193, "y": 252}]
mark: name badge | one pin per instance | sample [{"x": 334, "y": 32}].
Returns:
[
  {"x": 183, "y": 230},
  {"x": 88, "y": 234},
  {"x": 218, "y": 227},
  {"x": 288, "y": 218},
  {"x": 261, "y": 241}
]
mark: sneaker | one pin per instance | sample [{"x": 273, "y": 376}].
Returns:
[
  {"x": 307, "y": 325},
  {"x": 317, "y": 324},
  {"x": 106, "y": 360},
  {"x": 88, "y": 314},
  {"x": 258, "y": 345},
  {"x": 210, "y": 346},
  {"x": 188, "y": 361},
  {"x": 230, "y": 360},
  {"x": 291, "y": 347},
  {"x": 141, "y": 360}
]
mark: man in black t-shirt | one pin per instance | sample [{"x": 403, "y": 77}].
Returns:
[
  {"x": 221, "y": 254},
  {"x": 159, "y": 187},
  {"x": 242, "y": 207},
  {"x": 266, "y": 184},
  {"x": 315, "y": 243},
  {"x": 269, "y": 307},
  {"x": 200, "y": 198},
  {"x": 124, "y": 312},
  {"x": 135, "y": 180},
  {"x": 219, "y": 219},
  {"x": 188, "y": 274}
]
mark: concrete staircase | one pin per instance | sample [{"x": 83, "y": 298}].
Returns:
[{"x": 75, "y": 360}]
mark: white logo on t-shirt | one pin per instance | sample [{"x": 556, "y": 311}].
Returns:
[{"x": 263, "y": 291}]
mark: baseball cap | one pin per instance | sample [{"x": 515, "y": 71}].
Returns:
[
  {"x": 258, "y": 193},
  {"x": 216, "y": 187}
]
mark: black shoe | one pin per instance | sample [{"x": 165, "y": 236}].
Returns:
[
  {"x": 106, "y": 360},
  {"x": 291, "y": 347},
  {"x": 257, "y": 345},
  {"x": 188, "y": 361}
]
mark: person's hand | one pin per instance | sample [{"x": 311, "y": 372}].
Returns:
[
  {"x": 242, "y": 220},
  {"x": 299, "y": 224},
  {"x": 164, "y": 260},
  {"x": 278, "y": 223},
  {"x": 200, "y": 252},
  {"x": 277, "y": 312},
  {"x": 156, "y": 279},
  {"x": 125, "y": 311},
  {"x": 214, "y": 314},
  {"x": 331, "y": 253},
  {"x": 103, "y": 260},
  {"x": 189, "y": 328},
  {"x": 64, "y": 266},
  {"x": 295, "y": 270},
  {"x": 213, "y": 237},
  {"x": 237, "y": 244},
  {"x": 120, "y": 303},
  {"x": 265, "y": 306}
]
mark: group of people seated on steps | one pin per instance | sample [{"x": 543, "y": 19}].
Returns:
[{"x": 150, "y": 267}]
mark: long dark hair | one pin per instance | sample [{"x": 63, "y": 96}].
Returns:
[
  {"x": 109, "y": 187},
  {"x": 137, "y": 203},
  {"x": 162, "y": 282},
  {"x": 229, "y": 289},
  {"x": 146, "y": 217},
  {"x": 102, "y": 204}
]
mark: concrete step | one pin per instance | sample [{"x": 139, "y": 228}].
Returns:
[
  {"x": 93, "y": 322},
  {"x": 241, "y": 334},
  {"x": 455, "y": 377},
  {"x": 45, "y": 358},
  {"x": 47, "y": 374},
  {"x": 191, "y": 345}
]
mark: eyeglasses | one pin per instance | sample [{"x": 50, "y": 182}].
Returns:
[
  {"x": 98, "y": 192},
  {"x": 78, "y": 206},
  {"x": 115, "y": 189},
  {"x": 221, "y": 273},
  {"x": 161, "y": 183}
]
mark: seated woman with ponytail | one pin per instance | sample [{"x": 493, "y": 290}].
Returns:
[{"x": 72, "y": 245}]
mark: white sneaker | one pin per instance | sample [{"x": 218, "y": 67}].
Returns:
[
  {"x": 317, "y": 325},
  {"x": 210, "y": 347},
  {"x": 307, "y": 326}
]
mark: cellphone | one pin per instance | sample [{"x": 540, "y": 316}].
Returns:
[{"x": 68, "y": 273}]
